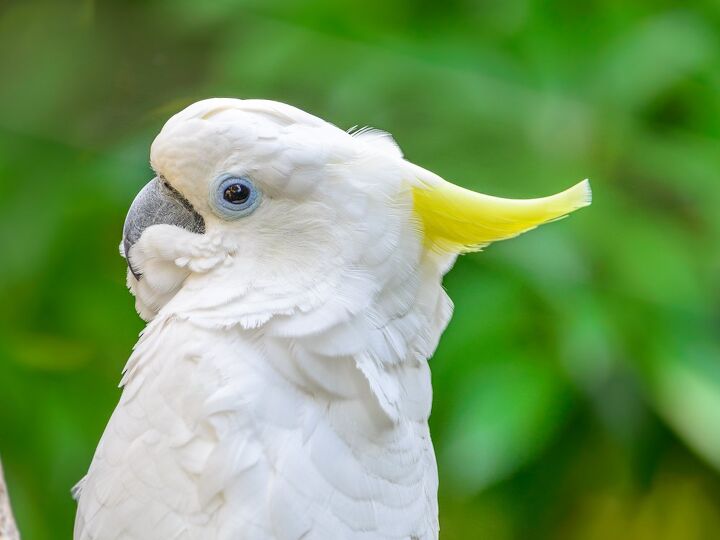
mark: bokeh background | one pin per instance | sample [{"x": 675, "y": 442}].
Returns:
[{"x": 577, "y": 390}]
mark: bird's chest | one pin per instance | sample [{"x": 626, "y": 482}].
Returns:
[{"x": 242, "y": 438}]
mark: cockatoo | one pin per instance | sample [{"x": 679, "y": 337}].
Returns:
[{"x": 290, "y": 274}]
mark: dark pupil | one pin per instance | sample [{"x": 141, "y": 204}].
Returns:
[{"x": 236, "y": 193}]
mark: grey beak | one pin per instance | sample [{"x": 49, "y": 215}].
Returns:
[{"x": 158, "y": 203}]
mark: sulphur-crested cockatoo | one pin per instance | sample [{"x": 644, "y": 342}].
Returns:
[{"x": 290, "y": 273}]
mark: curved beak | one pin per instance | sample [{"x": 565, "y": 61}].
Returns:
[{"x": 157, "y": 203}]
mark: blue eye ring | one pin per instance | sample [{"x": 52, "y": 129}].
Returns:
[{"x": 234, "y": 197}]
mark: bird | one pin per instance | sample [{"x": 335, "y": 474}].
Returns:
[{"x": 290, "y": 276}]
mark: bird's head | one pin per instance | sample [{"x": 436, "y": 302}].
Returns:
[{"x": 260, "y": 200}]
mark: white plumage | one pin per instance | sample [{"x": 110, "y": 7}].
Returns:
[{"x": 281, "y": 388}]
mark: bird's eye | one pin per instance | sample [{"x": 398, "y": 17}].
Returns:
[
  {"x": 237, "y": 193},
  {"x": 234, "y": 197}
]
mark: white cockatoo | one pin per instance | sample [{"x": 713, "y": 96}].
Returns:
[{"x": 290, "y": 274}]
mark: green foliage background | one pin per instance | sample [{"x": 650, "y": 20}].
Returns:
[{"x": 577, "y": 390}]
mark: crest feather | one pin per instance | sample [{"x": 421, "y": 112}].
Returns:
[
  {"x": 459, "y": 220},
  {"x": 378, "y": 139}
]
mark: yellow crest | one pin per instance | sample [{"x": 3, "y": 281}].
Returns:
[{"x": 458, "y": 220}]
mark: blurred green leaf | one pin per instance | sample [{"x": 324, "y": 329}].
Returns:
[
  {"x": 654, "y": 55},
  {"x": 504, "y": 416}
]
